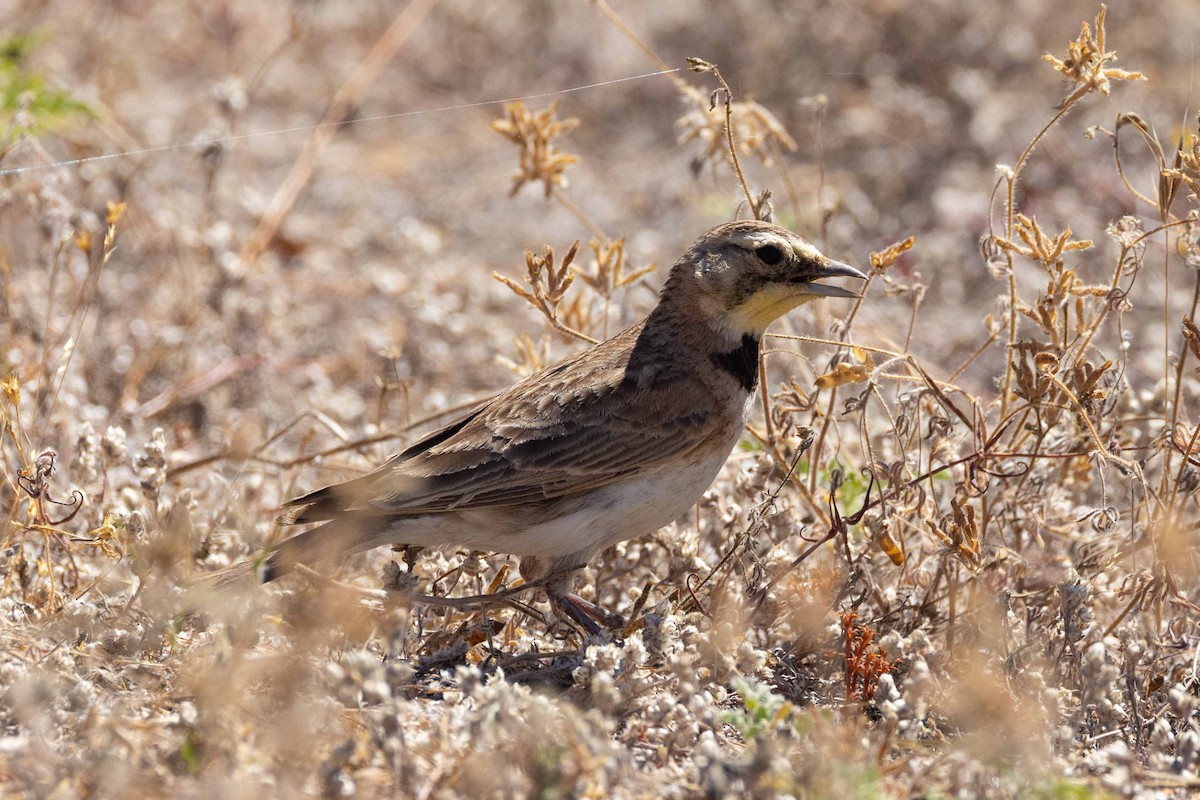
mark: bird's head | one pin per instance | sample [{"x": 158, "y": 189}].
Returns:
[{"x": 744, "y": 275}]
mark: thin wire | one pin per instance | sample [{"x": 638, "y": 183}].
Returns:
[{"x": 304, "y": 128}]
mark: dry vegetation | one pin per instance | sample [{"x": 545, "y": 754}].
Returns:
[{"x": 955, "y": 555}]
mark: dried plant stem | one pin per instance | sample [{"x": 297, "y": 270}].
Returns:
[
  {"x": 1020, "y": 432},
  {"x": 1166, "y": 361},
  {"x": 733, "y": 156},
  {"x": 620, "y": 25},
  {"x": 1090, "y": 332},
  {"x": 97, "y": 259},
  {"x": 239, "y": 455},
  {"x": 796, "y": 337},
  {"x": 912, "y": 320},
  {"x": 768, "y": 426},
  {"x": 561, "y": 197},
  {"x": 347, "y": 96},
  {"x": 1012, "y": 336},
  {"x": 790, "y": 185},
  {"x": 700, "y": 65},
  {"x": 819, "y": 445},
  {"x": 1138, "y": 596},
  {"x": 1009, "y": 229},
  {"x": 818, "y": 146},
  {"x": 567, "y": 331},
  {"x": 971, "y": 359},
  {"x": 1187, "y": 457},
  {"x": 952, "y": 586},
  {"x": 47, "y": 338},
  {"x": 1115, "y": 282},
  {"x": 261, "y": 71},
  {"x": 891, "y": 420},
  {"x": 810, "y": 499},
  {"x": 1177, "y": 402},
  {"x": 797, "y": 561},
  {"x": 1106, "y": 454}
]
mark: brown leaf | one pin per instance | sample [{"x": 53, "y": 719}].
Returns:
[
  {"x": 844, "y": 373},
  {"x": 889, "y": 546},
  {"x": 1192, "y": 335},
  {"x": 888, "y": 257}
]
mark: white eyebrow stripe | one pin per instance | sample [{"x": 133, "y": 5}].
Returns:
[
  {"x": 752, "y": 240},
  {"x": 807, "y": 251}
]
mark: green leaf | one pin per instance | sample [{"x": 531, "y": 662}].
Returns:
[{"x": 25, "y": 91}]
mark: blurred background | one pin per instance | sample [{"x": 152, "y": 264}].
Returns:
[
  {"x": 222, "y": 322},
  {"x": 899, "y": 113}
]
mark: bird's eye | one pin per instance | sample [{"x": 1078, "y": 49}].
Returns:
[{"x": 769, "y": 254}]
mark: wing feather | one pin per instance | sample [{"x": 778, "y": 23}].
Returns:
[{"x": 596, "y": 418}]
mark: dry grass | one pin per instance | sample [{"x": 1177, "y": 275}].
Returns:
[{"x": 955, "y": 555}]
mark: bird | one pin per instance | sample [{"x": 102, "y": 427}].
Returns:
[{"x": 612, "y": 443}]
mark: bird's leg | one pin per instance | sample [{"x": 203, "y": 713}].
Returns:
[
  {"x": 587, "y": 614},
  {"x": 568, "y": 604},
  {"x": 609, "y": 619}
]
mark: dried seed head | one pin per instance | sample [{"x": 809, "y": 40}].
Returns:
[
  {"x": 534, "y": 134},
  {"x": 1085, "y": 62}
]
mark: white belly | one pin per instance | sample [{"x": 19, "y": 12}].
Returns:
[
  {"x": 623, "y": 510},
  {"x": 588, "y": 524},
  {"x": 585, "y": 524}
]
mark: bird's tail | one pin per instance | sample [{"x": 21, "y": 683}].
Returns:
[
  {"x": 329, "y": 542},
  {"x": 242, "y": 572},
  {"x": 326, "y": 543}
]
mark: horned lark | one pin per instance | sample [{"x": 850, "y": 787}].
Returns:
[{"x": 612, "y": 443}]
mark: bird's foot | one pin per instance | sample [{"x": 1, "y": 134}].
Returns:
[{"x": 595, "y": 619}]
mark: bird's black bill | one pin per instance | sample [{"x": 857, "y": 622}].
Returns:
[{"x": 833, "y": 269}]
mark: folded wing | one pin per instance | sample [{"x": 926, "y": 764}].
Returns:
[{"x": 580, "y": 425}]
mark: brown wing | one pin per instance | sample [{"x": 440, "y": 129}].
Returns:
[{"x": 593, "y": 419}]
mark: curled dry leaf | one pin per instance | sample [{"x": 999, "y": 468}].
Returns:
[
  {"x": 1191, "y": 335},
  {"x": 1046, "y": 362},
  {"x": 849, "y": 373},
  {"x": 889, "y": 546},
  {"x": 887, "y": 258}
]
